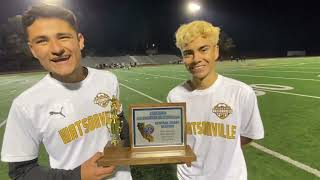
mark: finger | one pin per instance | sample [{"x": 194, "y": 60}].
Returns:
[
  {"x": 101, "y": 171},
  {"x": 96, "y": 156}
]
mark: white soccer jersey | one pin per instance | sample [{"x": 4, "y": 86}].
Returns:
[
  {"x": 216, "y": 118},
  {"x": 67, "y": 118}
]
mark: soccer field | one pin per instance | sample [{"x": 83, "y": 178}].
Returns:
[{"x": 288, "y": 92}]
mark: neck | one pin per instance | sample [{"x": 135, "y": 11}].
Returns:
[
  {"x": 205, "y": 82},
  {"x": 77, "y": 76}
]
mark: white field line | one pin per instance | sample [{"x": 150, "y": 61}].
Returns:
[
  {"x": 141, "y": 93},
  {"x": 271, "y": 77},
  {"x": 304, "y": 68},
  {"x": 3, "y": 123},
  {"x": 288, "y": 93},
  {"x": 287, "y": 159},
  {"x": 304, "y": 72},
  {"x": 288, "y": 65},
  {"x": 255, "y": 145}
]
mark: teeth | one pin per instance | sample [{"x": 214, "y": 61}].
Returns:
[
  {"x": 198, "y": 67},
  {"x": 63, "y": 58}
]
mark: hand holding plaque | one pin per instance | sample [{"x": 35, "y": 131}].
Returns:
[{"x": 157, "y": 135}]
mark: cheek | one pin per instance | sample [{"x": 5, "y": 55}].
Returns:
[
  {"x": 74, "y": 47},
  {"x": 186, "y": 64},
  {"x": 41, "y": 52},
  {"x": 187, "y": 61}
]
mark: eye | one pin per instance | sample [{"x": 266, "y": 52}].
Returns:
[
  {"x": 204, "y": 49},
  {"x": 41, "y": 41},
  {"x": 187, "y": 54},
  {"x": 64, "y": 37}
]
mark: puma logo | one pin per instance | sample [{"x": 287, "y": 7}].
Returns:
[{"x": 54, "y": 113}]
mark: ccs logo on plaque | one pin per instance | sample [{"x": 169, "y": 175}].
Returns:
[{"x": 146, "y": 131}]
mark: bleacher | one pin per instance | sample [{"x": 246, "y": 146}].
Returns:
[
  {"x": 165, "y": 58},
  {"x": 139, "y": 60}
]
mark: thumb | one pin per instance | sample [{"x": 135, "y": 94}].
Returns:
[{"x": 96, "y": 156}]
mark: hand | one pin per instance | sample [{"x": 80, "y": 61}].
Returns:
[{"x": 91, "y": 171}]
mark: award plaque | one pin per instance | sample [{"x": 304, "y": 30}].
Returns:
[{"x": 157, "y": 136}]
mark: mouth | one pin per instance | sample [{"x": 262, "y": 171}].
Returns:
[
  {"x": 62, "y": 58},
  {"x": 197, "y": 68}
]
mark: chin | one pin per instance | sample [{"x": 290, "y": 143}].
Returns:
[
  {"x": 63, "y": 72},
  {"x": 200, "y": 75}
]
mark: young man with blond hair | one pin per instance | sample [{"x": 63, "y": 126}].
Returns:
[{"x": 222, "y": 113}]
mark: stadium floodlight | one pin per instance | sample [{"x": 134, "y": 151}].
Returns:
[
  {"x": 52, "y": 2},
  {"x": 193, "y": 7}
]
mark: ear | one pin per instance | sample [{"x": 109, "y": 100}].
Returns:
[
  {"x": 81, "y": 40},
  {"x": 32, "y": 50},
  {"x": 216, "y": 52}
]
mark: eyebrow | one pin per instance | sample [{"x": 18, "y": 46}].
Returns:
[
  {"x": 187, "y": 51},
  {"x": 63, "y": 34}
]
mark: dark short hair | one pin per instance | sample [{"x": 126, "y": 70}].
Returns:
[{"x": 48, "y": 11}]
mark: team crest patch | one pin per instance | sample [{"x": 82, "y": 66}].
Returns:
[
  {"x": 222, "y": 110},
  {"x": 102, "y": 99}
]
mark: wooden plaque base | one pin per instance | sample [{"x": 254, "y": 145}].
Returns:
[{"x": 125, "y": 156}]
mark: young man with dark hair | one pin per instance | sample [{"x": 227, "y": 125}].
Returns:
[
  {"x": 67, "y": 110},
  {"x": 222, "y": 113}
]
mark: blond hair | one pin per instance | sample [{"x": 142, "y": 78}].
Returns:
[{"x": 189, "y": 32}]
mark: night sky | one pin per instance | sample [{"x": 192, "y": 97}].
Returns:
[{"x": 258, "y": 27}]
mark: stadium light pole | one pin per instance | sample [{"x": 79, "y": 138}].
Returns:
[{"x": 193, "y": 8}]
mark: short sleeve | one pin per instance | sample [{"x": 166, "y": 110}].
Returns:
[
  {"x": 21, "y": 140},
  {"x": 251, "y": 123},
  {"x": 169, "y": 99}
]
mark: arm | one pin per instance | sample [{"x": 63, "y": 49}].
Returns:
[
  {"x": 245, "y": 140},
  {"x": 30, "y": 170}
]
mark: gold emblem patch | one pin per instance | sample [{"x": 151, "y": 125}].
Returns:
[
  {"x": 102, "y": 99},
  {"x": 222, "y": 110}
]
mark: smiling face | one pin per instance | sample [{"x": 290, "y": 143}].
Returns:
[
  {"x": 58, "y": 47},
  {"x": 199, "y": 57}
]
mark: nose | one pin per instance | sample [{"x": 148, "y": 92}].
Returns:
[
  {"x": 196, "y": 56},
  {"x": 56, "y": 48}
]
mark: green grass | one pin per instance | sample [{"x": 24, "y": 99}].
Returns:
[{"x": 292, "y": 122}]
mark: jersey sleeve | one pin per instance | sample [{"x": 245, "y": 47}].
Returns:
[
  {"x": 30, "y": 170},
  {"x": 251, "y": 123},
  {"x": 169, "y": 99},
  {"x": 20, "y": 142}
]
